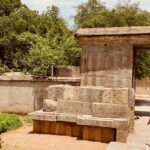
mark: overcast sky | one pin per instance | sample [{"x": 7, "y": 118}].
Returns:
[{"x": 67, "y": 6}]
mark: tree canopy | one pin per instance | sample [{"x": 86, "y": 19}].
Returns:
[{"x": 34, "y": 42}]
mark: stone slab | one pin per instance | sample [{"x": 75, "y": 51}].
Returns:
[
  {"x": 88, "y": 120},
  {"x": 42, "y": 116},
  {"x": 66, "y": 117},
  {"x": 73, "y": 107},
  {"x": 104, "y": 110},
  {"x": 122, "y": 146}
]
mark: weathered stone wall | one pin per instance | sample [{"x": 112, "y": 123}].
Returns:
[
  {"x": 108, "y": 65},
  {"x": 24, "y": 96}
]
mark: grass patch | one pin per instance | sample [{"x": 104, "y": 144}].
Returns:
[{"x": 12, "y": 121}]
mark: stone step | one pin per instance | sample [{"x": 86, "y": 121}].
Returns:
[
  {"x": 142, "y": 102},
  {"x": 142, "y": 110}
]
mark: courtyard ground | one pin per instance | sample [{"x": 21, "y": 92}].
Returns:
[{"x": 24, "y": 139}]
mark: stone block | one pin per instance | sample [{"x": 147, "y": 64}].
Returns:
[
  {"x": 71, "y": 93},
  {"x": 131, "y": 98},
  {"x": 120, "y": 96},
  {"x": 73, "y": 107},
  {"x": 66, "y": 117},
  {"x": 90, "y": 94},
  {"x": 56, "y": 92},
  {"x": 49, "y": 105},
  {"x": 121, "y": 135},
  {"x": 42, "y": 116},
  {"x": 131, "y": 120},
  {"x": 88, "y": 120},
  {"x": 107, "y": 95},
  {"x": 104, "y": 110},
  {"x": 121, "y": 123}
]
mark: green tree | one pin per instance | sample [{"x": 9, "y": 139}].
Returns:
[
  {"x": 8, "y": 6},
  {"x": 92, "y": 14},
  {"x": 143, "y": 64},
  {"x": 32, "y": 42}
]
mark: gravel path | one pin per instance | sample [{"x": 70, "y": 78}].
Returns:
[{"x": 23, "y": 139}]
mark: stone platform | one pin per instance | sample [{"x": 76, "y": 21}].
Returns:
[{"x": 89, "y": 113}]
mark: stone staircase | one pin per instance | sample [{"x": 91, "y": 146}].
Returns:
[{"x": 142, "y": 106}]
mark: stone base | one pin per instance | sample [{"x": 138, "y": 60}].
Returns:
[{"x": 104, "y": 135}]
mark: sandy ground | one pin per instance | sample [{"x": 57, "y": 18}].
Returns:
[{"x": 24, "y": 139}]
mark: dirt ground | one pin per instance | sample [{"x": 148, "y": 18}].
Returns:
[{"x": 24, "y": 139}]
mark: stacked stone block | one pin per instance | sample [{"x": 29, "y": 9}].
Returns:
[{"x": 93, "y": 113}]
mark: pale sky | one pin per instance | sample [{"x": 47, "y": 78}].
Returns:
[{"x": 67, "y": 6}]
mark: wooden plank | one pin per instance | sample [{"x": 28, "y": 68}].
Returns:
[
  {"x": 108, "y": 135},
  {"x": 41, "y": 126},
  {"x": 46, "y": 127},
  {"x": 98, "y": 134},
  {"x": 35, "y": 126},
  {"x": 61, "y": 129},
  {"x": 77, "y": 131},
  {"x": 68, "y": 129},
  {"x": 53, "y": 127},
  {"x": 85, "y": 133},
  {"x": 92, "y": 133}
]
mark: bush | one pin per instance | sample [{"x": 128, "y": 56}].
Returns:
[{"x": 9, "y": 122}]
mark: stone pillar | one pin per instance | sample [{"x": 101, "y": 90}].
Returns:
[{"x": 108, "y": 65}]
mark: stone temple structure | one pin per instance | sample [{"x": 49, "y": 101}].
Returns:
[{"x": 102, "y": 108}]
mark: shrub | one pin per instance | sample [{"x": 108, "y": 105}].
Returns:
[{"x": 9, "y": 122}]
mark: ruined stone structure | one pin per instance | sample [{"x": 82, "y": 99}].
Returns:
[{"x": 102, "y": 108}]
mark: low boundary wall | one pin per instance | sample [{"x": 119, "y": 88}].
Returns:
[{"x": 25, "y": 96}]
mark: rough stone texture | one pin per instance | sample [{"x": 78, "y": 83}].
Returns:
[
  {"x": 56, "y": 92},
  {"x": 121, "y": 135},
  {"x": 102, "y": 122},
  {"x": 107, "y": 65},
  {"x": 66, "y": 117},
  {"x": 122, "y": 146},
  {"x": 103, "y": 110},
  {"x": 131, "y": 103},
  {"x": 120, "y": 96},
  {"x": 95, "y": 106},
  {"x": 107, "y": 95},
  {"x": 43, "y": 116},
  {"x": 90, "y": 94},
  {"x": 73, "y": 107},
  {"x": 49, "y": 105}
]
